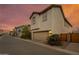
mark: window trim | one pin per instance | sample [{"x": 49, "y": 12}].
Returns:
[
  {"x": 44, "y": 17},
  {"x": 33, "y": 20}
]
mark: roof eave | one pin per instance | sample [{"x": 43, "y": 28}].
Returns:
[
  {"x": 53, "y": 5},
  {"x": 33, "y": 14},
  {"x": 65, "y": 17}
]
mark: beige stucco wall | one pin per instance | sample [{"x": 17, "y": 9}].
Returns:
[
  {"x": 42, "y": 25},
  {"x": 37, "y": 21},
  {"x": 58, "y": 22},
  {"x": 68, "y": 30},
  {"x": 55, "y": 22}
]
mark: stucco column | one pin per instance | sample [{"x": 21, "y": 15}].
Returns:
[{"x": 31, "y": 35}]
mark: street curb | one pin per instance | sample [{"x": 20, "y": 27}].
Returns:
[{"x": 49, "y": 47}]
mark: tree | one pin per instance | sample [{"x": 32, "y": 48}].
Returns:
[{"x": 25, "y": 32}]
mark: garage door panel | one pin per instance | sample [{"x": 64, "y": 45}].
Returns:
[{"x": 40, "y": 36}]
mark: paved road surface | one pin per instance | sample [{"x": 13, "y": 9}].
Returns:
[{"x": 13, "y": 46}]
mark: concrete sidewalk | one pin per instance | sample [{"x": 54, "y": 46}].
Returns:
[
  {"x": 73, "y": 47},
  {"x": 70, "y": 46}
]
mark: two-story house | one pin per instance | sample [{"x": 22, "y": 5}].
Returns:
[{"x": 47, "y": 22}]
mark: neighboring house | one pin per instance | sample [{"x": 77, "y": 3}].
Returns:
[
  {"x": 19, "y": 30},
  {"x": 47, "y": 22}
]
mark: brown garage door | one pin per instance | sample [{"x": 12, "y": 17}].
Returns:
[{"x": 40, "y": 36}]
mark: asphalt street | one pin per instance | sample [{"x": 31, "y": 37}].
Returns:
[{"x": 13, "y": 46}]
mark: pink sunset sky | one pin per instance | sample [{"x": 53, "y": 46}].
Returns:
[{"x": 16, "y": 15}]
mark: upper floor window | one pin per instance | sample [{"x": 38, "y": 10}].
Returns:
[
  {"x": 44, "y": 16},
  {"x": 33, "y": 20}
]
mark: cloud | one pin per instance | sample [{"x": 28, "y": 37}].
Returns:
[
  {"x": 72, "y": 13},
  {"x": 14, "y": 15}
]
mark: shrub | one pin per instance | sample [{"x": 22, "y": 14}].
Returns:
[
  {"x": 54, "y": 40},
  {"x": 26, "y": 35}
]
